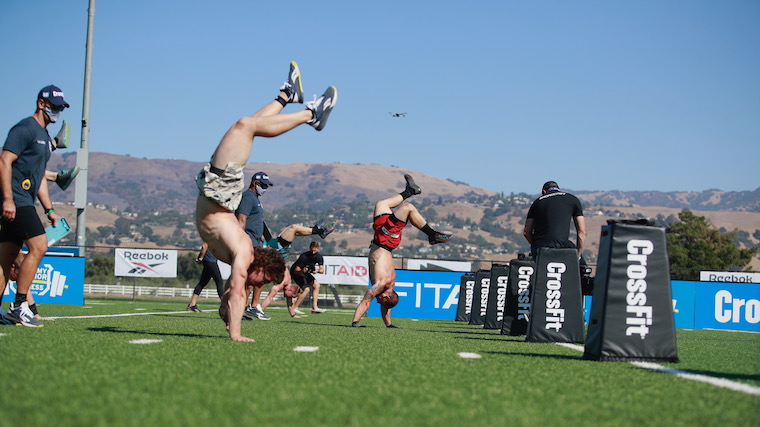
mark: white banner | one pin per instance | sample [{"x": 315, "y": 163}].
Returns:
[
  {"x": 729, "y": 276},
  {"x": 145, "y": 263},
  {"x": 439, "y": 265},
  {"x": 345, "y": 270}
]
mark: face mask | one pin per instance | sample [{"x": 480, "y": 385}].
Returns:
[
  {"x": 260, "y": 190},
  {"x": 52, "y": 115}
]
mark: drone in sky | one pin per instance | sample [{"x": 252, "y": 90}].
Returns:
[{"x": 397, "y": 114}]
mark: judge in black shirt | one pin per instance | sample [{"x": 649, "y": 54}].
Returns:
[{"x": 548, "y": 222}]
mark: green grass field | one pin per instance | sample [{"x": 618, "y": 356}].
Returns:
[{"x": 85, "y": 372}]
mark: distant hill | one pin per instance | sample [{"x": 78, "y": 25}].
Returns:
[
  {"x": 165, "y": 184},
  {"x": 709, "y": 200},
  {"x": 486, "y": 224},
  {"x": 160, "y": 185}
]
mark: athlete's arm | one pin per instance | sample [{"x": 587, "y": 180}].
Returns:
[
  {"x": 580, "y": 229},
  {"x": 528, "y": 230},
  {"x": 6, "y": 172}
]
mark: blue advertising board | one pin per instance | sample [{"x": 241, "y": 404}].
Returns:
[
  {"x": 696, "y": 305},
  {"x": 683, "y": 303},
  {"x": 424, "y": 295},
  {"x": 730, "y": 306},
  {"x": 59, "y": 280}
]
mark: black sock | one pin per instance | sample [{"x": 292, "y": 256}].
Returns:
[
  {"x": 427, "y": 230},
  {"x": 33, "y": 308},
  {"x": 283, "y": 102},
  {"x": 284, "y": 243},
  {"x": 20, "y": 299},
  {"x": 407, "y": 193}
]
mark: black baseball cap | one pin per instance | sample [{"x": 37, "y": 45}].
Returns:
[
  {"x": 54, "y": 95},
  {"x": 261, "y": 177}
]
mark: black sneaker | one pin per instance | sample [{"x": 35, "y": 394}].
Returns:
[
  {"x": 193, "y": 308},
  {"x": 324, "y": 230},
  {"x": 411, "y": 186},
  {"x": 439, "y": 237},
  {"x": 66, "y": 177},
  {"x": 394, "y": 327},
  {"x": 293, "y": 86},
  {"x": 322, "y": 107},
  {"x": 357, "y": 325}
]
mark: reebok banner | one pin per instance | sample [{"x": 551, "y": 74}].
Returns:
[
  {"x": 497, "y": 295},
  {"x": 516, "y": 312},
  {"x": 480, "y": 297},
  {"x": 632, "y": 309},
  {"x": 556, "y": 314},
  {"x": 464, "y": 306}
]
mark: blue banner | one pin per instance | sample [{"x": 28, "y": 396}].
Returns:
[
  {"x": 683, "y": 303},
  {"x": 731, "y": 306},
  {"x": 696, "y": 305},
  {"x": 424, "y": 295},
  {"x": 59, "y": 280}
]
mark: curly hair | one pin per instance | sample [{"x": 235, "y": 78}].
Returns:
[{"x": 271, "y": 260}]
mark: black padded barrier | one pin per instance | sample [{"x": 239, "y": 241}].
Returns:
[
  {"x": 632, "y": 307},
  {"x": 556, "y": 313}
]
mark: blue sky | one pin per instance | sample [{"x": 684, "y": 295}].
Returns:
[{"x": 502, "y": 95}]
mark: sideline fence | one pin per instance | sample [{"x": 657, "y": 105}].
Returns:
[{"x": 91, "y": 289}]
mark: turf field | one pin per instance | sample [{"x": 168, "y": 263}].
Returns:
[{"x": 93, "y": 371}]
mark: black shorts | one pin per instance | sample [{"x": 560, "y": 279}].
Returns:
[
  {"x": 26, "y": 225},
  {"x": 303, "y": 279}
]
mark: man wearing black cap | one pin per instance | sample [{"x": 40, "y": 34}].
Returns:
[
  {"x": 220, "y": 186},
  {"x": 22, "y": 179},
  {"x": 548, "y": 222}
]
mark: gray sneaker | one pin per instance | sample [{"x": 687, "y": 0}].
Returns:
[
  {"x": 255, "y": 312},
  {"x": 3, "y": 319},
  {"x": 22, "y": 315},
  {"x": 322, "y": 107},
  {"x": 294, "y": 86}
]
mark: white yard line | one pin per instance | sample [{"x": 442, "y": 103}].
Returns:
[{"x": 718, "y": 382}]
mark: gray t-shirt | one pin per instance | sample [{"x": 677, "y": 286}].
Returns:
[
  {"x": 251, "y": 207},
  {"x": 33, "y": 145}
]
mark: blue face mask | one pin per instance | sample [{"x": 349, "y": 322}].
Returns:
[{"x": 52, "y": 114}]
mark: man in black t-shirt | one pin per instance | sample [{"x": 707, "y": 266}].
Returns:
[
  {"x": 301, "y": 271},
  {"x": 548, "y": 222}
]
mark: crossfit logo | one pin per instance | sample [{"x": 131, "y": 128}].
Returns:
[
  {"x": 485, "y": 285},
  {"x": 501, "y": 296},
  {"x": 639, "y": 315},
  {"x": 523, "y": 291},
  {"x": 469, "y": 287},
  {"x": 555, "y": 314},
  {"x": 729, "y": 309}
]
